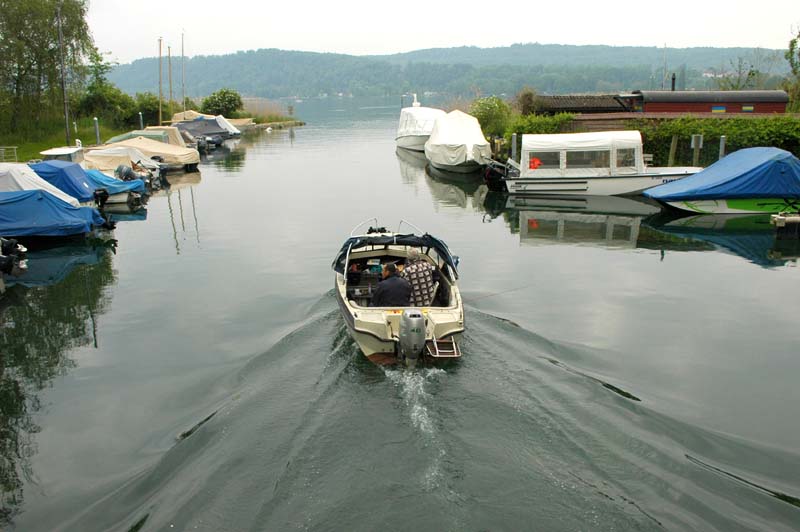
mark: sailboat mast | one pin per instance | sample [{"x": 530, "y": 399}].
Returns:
[{"x": 183, "y": 77}]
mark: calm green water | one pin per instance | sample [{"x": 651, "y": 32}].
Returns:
[{"x": 621, "y": 371}]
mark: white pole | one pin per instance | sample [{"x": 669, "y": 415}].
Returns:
[{"x": 183, "y": 76}]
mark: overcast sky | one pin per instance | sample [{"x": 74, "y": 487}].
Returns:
[{"x": 130, "y": 29}]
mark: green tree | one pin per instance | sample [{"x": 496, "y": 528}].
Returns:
[
  {"x": 147, "y": 104},
  {"x": 101, "y": 97},
  {"x": 527, "y": 101},
  {"x": 493, "y": 115},
  {"x": 222, "y": 102},
  {"x": 792, "y": 84},
  {"x": 30, "y": 76}
]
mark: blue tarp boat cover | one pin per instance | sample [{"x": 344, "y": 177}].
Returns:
[
  {"x": 112, "y": 185},
  {"x": 66, "y": 176},
  {"x": 747, "y": 173},
  {"x": 39, "y": 213}
]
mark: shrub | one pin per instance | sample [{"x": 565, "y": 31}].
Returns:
[
  {"x": 493, "y": 115},
  {"x": 222, "y": 102}
]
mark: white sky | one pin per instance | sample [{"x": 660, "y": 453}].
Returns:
[{"x": 129, "y": 29}]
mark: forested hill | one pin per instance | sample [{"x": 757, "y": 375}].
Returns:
[{"x": 465, "y": 71}]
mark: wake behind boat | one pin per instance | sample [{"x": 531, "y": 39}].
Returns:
[{"x": 429, "y": 326}]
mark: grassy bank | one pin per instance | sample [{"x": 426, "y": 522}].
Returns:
[{"x": 29, "y": 146}]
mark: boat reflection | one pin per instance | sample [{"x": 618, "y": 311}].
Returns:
[
  {"x": 750, "y": 236},
  {"x": 41, "y": 319},
  {"x": 179, "y": 189},
  {"x": 447, "y": 188},
  {"x": 230, "y": 155}
]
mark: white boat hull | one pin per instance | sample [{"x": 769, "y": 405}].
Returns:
[
  {"x": 467, "y": 167},
  {"x": 413, "y": 142},
  {"x": 594, "y": 185}
]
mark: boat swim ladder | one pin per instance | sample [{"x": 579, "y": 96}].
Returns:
[{"x": 443, "y": 348}]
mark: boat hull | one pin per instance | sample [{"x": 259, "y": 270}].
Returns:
[
  {"x": 591, "y": 185},
  {"x": 467, "y": 167},
  {"x": 738, "y": 206},
  {"x": 413, "y": 142}
]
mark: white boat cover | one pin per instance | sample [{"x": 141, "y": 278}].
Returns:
[
  {"x": 172, "y": 155},
  {"x": 108, "y": 159},
  {"x": 189, "y": 115},
  {"x": 457, "y": 138},
  {"x": 600, "y": 140},
  {"x": 173, "y": 133},
  {"x": 224, "y": 124},
  {"x": 193, "y": 115},
  {"x": 417, "y": 121},
  {"x": 15, "y": 177}
]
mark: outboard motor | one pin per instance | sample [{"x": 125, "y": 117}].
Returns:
[
  {"x": 9, "y": 246},
  {"x": 412, "y": 336},
  {"x": 100, "y": 196},
  {"x": 125, "y": 173}
]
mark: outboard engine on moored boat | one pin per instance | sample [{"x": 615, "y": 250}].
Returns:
[{"x": 412, "y": 336}]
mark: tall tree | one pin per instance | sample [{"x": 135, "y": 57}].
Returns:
[{"x": 30, "y": 56}]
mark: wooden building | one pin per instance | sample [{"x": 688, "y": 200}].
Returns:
[{"x": 717, "y": 102}]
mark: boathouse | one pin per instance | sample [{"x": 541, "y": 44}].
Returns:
[{"x": 718, "y": 102}]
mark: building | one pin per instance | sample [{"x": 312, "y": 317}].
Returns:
[{"x": 754, "y": 101}]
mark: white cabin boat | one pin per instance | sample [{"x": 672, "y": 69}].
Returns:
[
  {"x": 389, "y": 335},
  {"x": 457, "y": 144},
  {"x": 416, "y": 125},
  {"x": 604, "y": 163}
]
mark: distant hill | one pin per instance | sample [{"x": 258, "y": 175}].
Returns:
[{"x": 464, "y": 71}]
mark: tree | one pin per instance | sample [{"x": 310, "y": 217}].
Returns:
[
  {"x": 30, "y": 74},
  {"x": 222, "y": 102},
  {"x": 792, "y": 86},
  {"x": 527, "y": 101},
  {"x": 101, "y": 97},
  {"x": 493, "y": 115}
]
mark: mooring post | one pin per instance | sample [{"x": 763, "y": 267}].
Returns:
[
  {"x": 97, "y": 131},
  {"x": 673, "y": 148},
  {"x": 514, "y": 146},
  {"x": 697, "y": 145},
  {"x": 141, "y": 121},
  {"x": 722, "y": 146}
]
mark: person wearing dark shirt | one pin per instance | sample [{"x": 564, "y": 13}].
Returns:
[{"x": 393, "y": 291}]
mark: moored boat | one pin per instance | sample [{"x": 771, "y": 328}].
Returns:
[
  {"x": 457, "y": 144},
  {"x": 603, "y": 163},
  {"x": 751, "y": 180},
  {"x": 416, "y": 125},
  {"x": 431, "y": 328}
]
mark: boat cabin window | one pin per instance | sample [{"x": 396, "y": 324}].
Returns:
[
  {"x": 545, "y": 160},
  {"x": 626, "y": 158},
  {"x": 589, "y": 159}
]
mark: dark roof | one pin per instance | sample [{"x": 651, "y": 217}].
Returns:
[
  {"x": 424, "y": 241},
  {"x": 774, "y": 96},
  {"x": 580, "y": 103}
]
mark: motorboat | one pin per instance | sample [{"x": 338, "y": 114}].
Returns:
[
  {"x": 406, "y": 334},
  {"x": 605, "y": 163},
  {"x": 90, "y": 187},
  {"x": 174, "y": 158},
  {"x": 457, "y": 144},
  {"x": 751, "y": 180},
  {"x": 416, "y": 125},
  {"x": 16, "y": 177}
]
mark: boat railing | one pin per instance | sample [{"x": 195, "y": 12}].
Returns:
[
  {"x": 373, "y": 219},
  {"x": 410, "y": 225}
]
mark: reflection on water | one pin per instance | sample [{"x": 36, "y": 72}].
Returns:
[
  {"x": 175, "y": 189},
  {"x": 447, "y": 188},
  {"x": 43, "y": 315}
]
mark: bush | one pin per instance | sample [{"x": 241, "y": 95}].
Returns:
[
  {"x": 527, "y": 102},
  {"x": 147, "y": 104},
  {"x": 493, "y": 115},
  {"x": 781, "y": 131},
  {"x": 223, "y": 102}
]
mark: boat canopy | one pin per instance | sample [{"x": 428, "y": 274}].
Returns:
[
  {"x": 173, "y": 134},
  {"x": 67, "y": 177},
  {"x": 15, "y": 177},
  {"x": 108, "y": 159},
  {"x": 39, "y": 213},
  {"x": 171, "y": 154},
  {"x": 601, "y": 140},
  {"x": 189, "y": 115},
  {"x": 202, "y": 128},
  {"x": 160, "y": 136},
  {"x": 457, "y": 138},
  {"x": 73, "y": 154},
  {"x": 747, "y": 173},
  {"x": 417, "y": 121},
  {"x": 382, "y": 239},
  {"x": 113, "y": 185}
]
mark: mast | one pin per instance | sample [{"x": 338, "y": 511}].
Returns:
[
  {"x": 160, "y": 94},
  {"x": 183, "y": 77},
  {"x": 169, "y": 65},
  {"x": 63, "y": 72}
]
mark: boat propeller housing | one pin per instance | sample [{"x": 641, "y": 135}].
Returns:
[{"x": 412, "y": 335}]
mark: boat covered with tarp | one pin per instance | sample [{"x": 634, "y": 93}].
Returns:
[
  {"x": 108, "y": 159},
  {"x": 751, "y": 180},
  {"x": 207, "y": 129},
  {"x": 430, "y": 318},
  {"x": 67, "y": 177},
  {"x": 416, "y": 125},
  {"x": 160, "y": 136},
  {"x": 174, "y": 136},
  {"x": 16, "y": 177},
  {"x": 115, "y": 186},
  {"x": 173, "y": 156},
  {"x": 32, "y": 213},
  {"x": 457, "y": 144}
]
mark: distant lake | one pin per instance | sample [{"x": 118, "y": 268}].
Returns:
[{"x": 622, "y": 370}]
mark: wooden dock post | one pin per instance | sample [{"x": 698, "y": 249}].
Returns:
[{"x": 673, "y": 148}]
